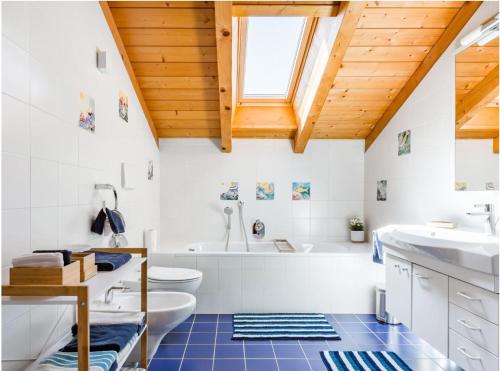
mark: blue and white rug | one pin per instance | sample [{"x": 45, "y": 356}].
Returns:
[
  {"x": 282, "y": 326},
  {"x": 363, "y": 361}
]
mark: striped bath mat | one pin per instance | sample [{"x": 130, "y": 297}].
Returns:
[
  {"x": 363, "y": 361},
  {"x": 282, "y": 326}
]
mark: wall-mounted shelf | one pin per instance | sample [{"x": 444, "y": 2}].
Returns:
[{"x": 81, "y": 295}]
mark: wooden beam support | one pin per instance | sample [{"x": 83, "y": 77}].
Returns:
[
  {"x": 447, "y": 37},
  {"x": 223, "y": 37},
  {"x": 495, "y": 145},
  {"x": 483, "y": 93},
  {"x": 349, "y": 14},
  {"x": 128, "y": 65},
  {"x": 285, "y": 8},
  {"x": 264, "y": 122}
]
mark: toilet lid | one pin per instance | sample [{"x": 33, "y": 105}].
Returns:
[{"x": 162, "y": 274}]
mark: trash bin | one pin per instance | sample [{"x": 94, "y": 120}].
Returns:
[{"x": 380, "y": 312}]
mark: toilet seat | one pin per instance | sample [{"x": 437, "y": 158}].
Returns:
[{"x": 172, "y": 275}]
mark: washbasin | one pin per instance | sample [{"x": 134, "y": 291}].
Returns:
[{"x": 473, "y": 250}]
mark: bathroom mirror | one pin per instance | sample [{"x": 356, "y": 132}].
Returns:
[{"x": 476, "y": 118}]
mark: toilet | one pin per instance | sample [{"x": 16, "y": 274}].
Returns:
[{"x": 170, "y": 279}]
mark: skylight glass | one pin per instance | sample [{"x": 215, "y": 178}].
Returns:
[{"x": 271, "y": 51}]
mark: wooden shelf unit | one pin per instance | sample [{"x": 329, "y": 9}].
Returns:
[{"x": 82, "y": 295}]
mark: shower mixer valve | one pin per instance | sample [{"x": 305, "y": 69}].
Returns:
[{"x": 258, "y": 229}]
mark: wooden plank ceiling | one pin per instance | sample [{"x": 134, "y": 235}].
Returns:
[
  {"x": 173, "y": 51},
  {"x": 477, "y": 92}
]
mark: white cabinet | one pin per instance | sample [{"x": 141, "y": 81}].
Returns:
[
  {"x": 430, "y": 307},
  {"x": 398, "y": 288}
]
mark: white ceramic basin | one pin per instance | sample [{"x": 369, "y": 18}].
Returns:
[{"x": 472, "y": 250}]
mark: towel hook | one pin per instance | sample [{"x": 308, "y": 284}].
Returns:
[{"x": 111, "y": 187}]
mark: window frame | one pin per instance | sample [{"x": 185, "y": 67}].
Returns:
[{"x": 305, "y": 43}]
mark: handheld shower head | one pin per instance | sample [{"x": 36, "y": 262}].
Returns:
[{"x": 228, "y": 210}]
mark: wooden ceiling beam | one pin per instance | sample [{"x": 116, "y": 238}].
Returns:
[
  {"x": 264, "y": 122},
  {"x": 128, "y": 66},
  {"x": 495, "y": 145},
  {"x": 349, "y": 15},
  {"x": 286, "y": 8},
  {"x": 223, "y": 37},
  {"x": 484, "y": 92},
  {"x": 456, "y": 24}
]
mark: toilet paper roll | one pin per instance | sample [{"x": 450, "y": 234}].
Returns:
[{"x": 150, "y": 239}]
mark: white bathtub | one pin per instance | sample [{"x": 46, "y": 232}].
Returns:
[
  {"x": 333, "y": 277},
  {"x": 269, "y": 248}
]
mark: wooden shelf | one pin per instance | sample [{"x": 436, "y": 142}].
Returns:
[{"x": 97, "y": 286}]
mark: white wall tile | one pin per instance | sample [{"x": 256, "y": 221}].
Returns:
[
  {"x": 44, "y": 183},
  {"x": 45, "y": 132},
  {"x": 68, "y": 185},
  {"x": 15, "y": 126},
  {"x": 15, "y": 234},
  {"x": 18, "y": 333},
  {"x": 15, "y": 23},
  {"x": 44, "y": 228},
  {"x": 15, "y": 71},
  {"x": 15, "y": 181}
]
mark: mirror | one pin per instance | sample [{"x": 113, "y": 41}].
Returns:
[{"x": 476, "y": 118}]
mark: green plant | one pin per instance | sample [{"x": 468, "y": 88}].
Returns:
[{"x": 356, "y": 224}]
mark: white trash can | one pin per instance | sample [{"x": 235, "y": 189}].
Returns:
[{"x": 380, "y": 312}]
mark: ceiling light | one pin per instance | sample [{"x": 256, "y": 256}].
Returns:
[{"x": 481, "y": 33}]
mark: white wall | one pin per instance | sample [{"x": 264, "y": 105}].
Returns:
[
  {"x": 420, "y": 186},
  {"x": 192, "y": 171},
  {"x": 476, "y": 163},
  {"x": 49, "y": 164}
]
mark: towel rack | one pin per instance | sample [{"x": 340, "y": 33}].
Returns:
[{"x": 110, "y": 187}]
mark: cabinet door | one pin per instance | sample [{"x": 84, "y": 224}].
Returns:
[
  {"x": 430, "y": 307},
  {"x": 398, "y": 288}
]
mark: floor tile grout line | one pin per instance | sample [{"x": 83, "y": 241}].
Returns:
[
  {"x": 187, "y": 342},
  {"x": 275, "y": 358},
  {"x": 305, "y": 356},
  {"x": 215, "y": 342}
]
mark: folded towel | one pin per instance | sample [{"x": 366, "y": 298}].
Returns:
[
  {"x": 104, "y": 337},
  {"x": 125, "y": 351},
  {"x": 116, "y": 221},
  {"x": 65, "y": 253},
  {"x": 378, "y": 249},
  {"x": 68, "y": 361},
  {"x": 115, "y": 318},
  {"x": 106, "y": 261},
  {"x": 98, "y": 224},
  {"x": 39, "y": 260}
]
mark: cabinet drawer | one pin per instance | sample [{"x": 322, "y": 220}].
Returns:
[
  {"x": 470, "y": 356},
  {"x": 474, "y": 328},
  {"x": 475, "y": 299}
]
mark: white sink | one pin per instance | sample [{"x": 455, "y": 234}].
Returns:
[{"x": 477, "y": 251}]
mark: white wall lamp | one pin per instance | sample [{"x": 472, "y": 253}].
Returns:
[{"x": 482, "y": 34}]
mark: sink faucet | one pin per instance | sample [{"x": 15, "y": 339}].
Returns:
[
  {"x": 489, "y": 211},
  {"x": 108, "y": 297}
]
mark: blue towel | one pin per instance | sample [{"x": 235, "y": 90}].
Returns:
[
  {"x": 107, "y": 261},
  {"x": 115, "y": 221},
  {"x": 104, "y": 337},
  {"x": 98, "y": 224},
  {"x": 99, "y": 361},
  {"x": 378, "y": 249}
]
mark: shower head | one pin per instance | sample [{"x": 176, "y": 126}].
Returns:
[{"x": 228, "y": 210}]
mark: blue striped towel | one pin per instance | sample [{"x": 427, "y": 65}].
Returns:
[
  {"x": 282, "y": 326},
  {"x": 62, "y": 361},
  {"x": 363, "y": 361}
]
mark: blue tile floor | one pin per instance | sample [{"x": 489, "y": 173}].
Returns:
[{"x": 203, "y": 343}]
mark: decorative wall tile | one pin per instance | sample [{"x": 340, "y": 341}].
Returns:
[
  {"x": 301, "y": 191},
  {"x": 382, "y": 190},
  {"x": 404, "y": 143},
  {"x": 264, "y": 191}
]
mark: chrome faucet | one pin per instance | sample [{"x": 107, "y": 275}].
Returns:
[
  {"x": 489, "y": 212},
  {"x": 108, "y": 297},
  {"x": 258, "y": 229}
]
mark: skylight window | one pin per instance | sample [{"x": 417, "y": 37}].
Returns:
[{"x": 271, "y": 54}]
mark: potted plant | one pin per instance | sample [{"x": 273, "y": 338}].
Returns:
[{"x": 357, "y": 229}]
